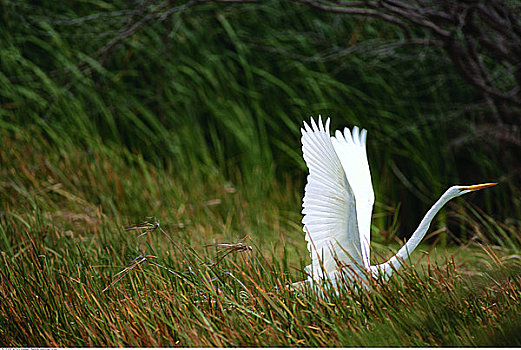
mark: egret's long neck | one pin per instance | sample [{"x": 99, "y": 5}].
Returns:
[{"x": 416, "y": 238}]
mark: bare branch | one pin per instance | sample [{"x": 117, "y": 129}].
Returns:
[
  {"x": 347, "y": 9},
  {"x": 472, "y": 33},
  {"x": 410, "y": 14},
  {"x": 469, "y": 32}
]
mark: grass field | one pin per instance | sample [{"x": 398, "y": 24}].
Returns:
[
  {"x": 195, "y": 134},
  {"x": 63, "y": 242}
]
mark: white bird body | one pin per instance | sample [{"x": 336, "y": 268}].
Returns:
[{"x": 338, "y": 204}]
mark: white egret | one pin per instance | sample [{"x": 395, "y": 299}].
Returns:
[{"x": 338, "y": 203}]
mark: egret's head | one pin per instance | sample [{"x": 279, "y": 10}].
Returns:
[{"x": 461, "y": 190}]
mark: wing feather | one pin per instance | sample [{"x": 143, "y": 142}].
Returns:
[
  {"x": 329, "y": 208},
  {"x": 351, "y": 150}
]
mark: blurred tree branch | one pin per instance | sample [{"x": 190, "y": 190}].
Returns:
[
  {"x": 159, "y": 12},
  {"x": 481, "y": 38},
  {"x": 147, "y": 11}
]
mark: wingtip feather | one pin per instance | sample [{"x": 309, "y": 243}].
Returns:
[
  {"x": 347, "y": 135},
  {"x": 314, "y": 124},
  {"x": 356, "y": 135},
  {"x": 363, "y": 137},
  {"x": 306, "y": 126}
]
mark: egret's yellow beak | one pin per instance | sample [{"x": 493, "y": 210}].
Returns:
[{"x": 478, "y": 187}]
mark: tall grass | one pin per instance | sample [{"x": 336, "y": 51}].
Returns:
[
  {"x": 195, "y": 121},
  {"x": 63, "y": 243},
  {"x": 202, "y": 82},
  {"x": 54, "y": 296}
]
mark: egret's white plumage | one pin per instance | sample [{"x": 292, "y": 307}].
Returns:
[
  {"x": 351, "y": 150},
  {"x": 329, "y": 204},
  {"x": 338, "y": 203}
]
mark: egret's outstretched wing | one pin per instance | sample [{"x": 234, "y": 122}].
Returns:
[
  {"x": 351, "y": 149},
  {"x": 330, "y": 220}
]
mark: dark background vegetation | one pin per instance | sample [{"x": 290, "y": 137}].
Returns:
[
  {"x": 224, "y": 88},
  {"x": 112, "y": 111}
]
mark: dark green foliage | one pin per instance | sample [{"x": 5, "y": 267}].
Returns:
[{"x": 194, "y": 118}]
